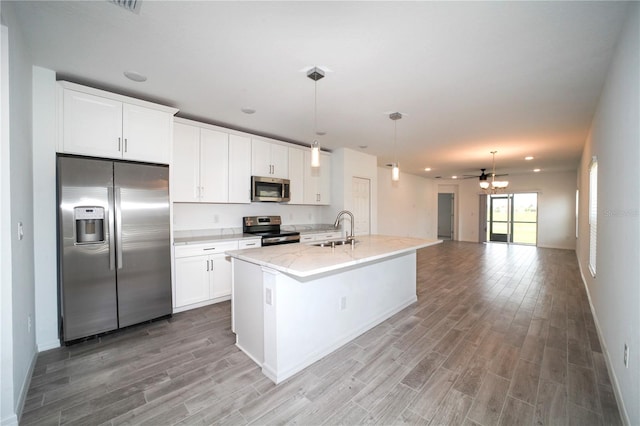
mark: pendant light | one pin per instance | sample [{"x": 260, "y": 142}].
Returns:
[
  {"x": 395, "y": 167},
  {"x": 315, "y": 74}
]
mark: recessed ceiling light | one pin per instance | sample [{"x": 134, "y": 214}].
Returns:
[
  {"x": 321, "y": 133},
  {"x": 427, "y": 169},
  {"x": 528, "y": 158},
  {"x": 454, "y": 177},
  {"x": 135, "y": 76},
  {"x": 247, "y": 110},
  {"x": 536, "y": 170}
]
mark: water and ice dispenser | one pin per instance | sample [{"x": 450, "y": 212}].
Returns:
[{"x": 89, "y": 224}]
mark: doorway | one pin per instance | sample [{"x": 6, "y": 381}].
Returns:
[
  {"x": 445, "y": 216},
  {"x": 513, "y": 218}
]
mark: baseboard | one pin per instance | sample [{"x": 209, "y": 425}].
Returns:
[
  {"x": 49, "y": 345},
  {"x": 25, "y": 386},
  {"x": 556, "y": 247},
  {"x": 605, "y": 353},
  {"x": 11, "y": 420}
]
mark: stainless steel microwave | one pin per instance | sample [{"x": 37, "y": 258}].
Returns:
[{"x": 270, "y": 189}]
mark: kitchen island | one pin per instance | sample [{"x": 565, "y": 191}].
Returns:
[{"x": 294, "y": 304}]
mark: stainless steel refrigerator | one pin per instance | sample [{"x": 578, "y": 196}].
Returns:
[{"x": 114, "y": 250}]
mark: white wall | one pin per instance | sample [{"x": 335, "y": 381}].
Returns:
[
  {"x": 615, "y": 291},
  {"x": 407, "y": 208},
  {"x": 556, "y": 207},
  {"x": 194, "y": 216},
  {"x": 345, "y": 165},
  {"x": 45, "y": 208},
  {"x": 21, "y": 346}
]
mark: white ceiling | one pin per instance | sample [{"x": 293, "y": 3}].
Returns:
[{"x": 522, "y": 78}]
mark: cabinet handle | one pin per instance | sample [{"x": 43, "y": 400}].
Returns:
[
  {"x": 119, "y": 144},
  {"x": 207, "y": 265},
  {"x": 249, "y": 245},
  {"x": 210, "y": 248},
  {"x": 211, "y": 264},
  {"x": 125, "y": 144}
]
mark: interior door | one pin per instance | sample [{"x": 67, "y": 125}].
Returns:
[
  {"x": 500, "y": 225},
  {"x": 361, "y": 193}
]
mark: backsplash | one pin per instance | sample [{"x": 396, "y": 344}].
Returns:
[{"x": 195, "y": 216}]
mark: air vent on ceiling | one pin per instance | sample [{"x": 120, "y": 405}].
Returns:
[{"x": 130, "y": 5}]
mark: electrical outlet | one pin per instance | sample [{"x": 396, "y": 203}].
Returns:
[
  {"x": 29, "y": 324},
  {"x": 626, "y": 355},
  {"x": 343, "y": 303},
  {"x": 20, "y": 231},
  {"x": 216, "y": 219},
  {"x": 267, "y": 297}
]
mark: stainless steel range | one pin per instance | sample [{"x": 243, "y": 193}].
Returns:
[{"x": 268, "y": 227}]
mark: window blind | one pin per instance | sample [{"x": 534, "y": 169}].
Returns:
[{"x": 593, "y": 215}]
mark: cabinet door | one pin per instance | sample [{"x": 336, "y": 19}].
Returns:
[
  {"x": 192, "y": 280},
  {"x": 311, "y": 176},
  {"x": 261, "y": 158},
  {"x": 296, "y": 175},
  {"x": 324, "y": 179},
  {"x": 92, "y": 125},
  {"x": 214, "y": 166},
  {"x": 239, "y": 169},
  {"x": 146, "y": 133},
  {"x": 280, "y": 161},
  {"x": 185, "y": 178},
  {"x": 221, "y": 282},
  {"x": 317, "y": 180}
]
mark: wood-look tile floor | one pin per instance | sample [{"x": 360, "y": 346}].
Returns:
[{"x": 500, "y": 335}]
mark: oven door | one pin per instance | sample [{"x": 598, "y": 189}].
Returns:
[{"x": 280, "y": 239}]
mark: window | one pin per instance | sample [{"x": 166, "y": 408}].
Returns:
[{"x": 593, "y": 214}]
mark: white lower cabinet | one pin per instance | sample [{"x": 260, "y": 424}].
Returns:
[{"x": 203, "y": 273}]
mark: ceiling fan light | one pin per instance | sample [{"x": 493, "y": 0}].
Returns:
[
  {"x": 484, "y": 184},
  {"x": 500, "y": 184}
]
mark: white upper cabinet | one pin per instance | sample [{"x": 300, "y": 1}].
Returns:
[
  {"x": 185, "y": 179},
  {"x": 296, "y": 175},
  {"x": 317, "y": 180},
  {"x": 92, "y": 125},
  {"x": 102, "y": 124},
  {"x": 146, "y": 133},
  {"x": 239, "y": 169},
  {"x": 214, "y": 166},
  {"x": 209, "y": 165},
  {"x": 269, "y": 159}
]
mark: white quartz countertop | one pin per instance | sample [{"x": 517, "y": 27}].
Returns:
[{"x": 303, "y": 260}]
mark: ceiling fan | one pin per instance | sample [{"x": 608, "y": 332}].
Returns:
[
  {"x": 488, "y": 181},
  {"x": 483, "y": 175}
]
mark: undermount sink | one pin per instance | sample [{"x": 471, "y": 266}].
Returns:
[{"x": 333, "y": 243}]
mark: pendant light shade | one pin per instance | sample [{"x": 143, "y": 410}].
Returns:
[
  {"x": 395, "y": 167},
  {"x": 395, "y": 172},
  {"x": 315, "y": 74},
  {"x": 315, "y": 154}
]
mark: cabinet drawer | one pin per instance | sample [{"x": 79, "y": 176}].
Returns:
[
  {"x": 245, "y": 244},
  {"x": 205, "y": 249},
  {"x": 328, "y": 236}
]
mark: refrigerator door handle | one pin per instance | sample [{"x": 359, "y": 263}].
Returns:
[
  {"x": 112, "y": 246},
  {"x": 118, "y": 208}
]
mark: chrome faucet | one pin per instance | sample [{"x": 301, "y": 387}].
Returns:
[{"x": 337, "y": 222}]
